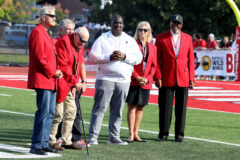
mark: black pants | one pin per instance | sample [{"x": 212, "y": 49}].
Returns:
[
  {"x": 165, "y": 102},
  {"x": 76, "y": 130}
]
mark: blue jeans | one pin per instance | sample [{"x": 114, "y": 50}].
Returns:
[{"x": 46, "y": 103}]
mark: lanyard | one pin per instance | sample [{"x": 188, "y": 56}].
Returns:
[{"x": 175, "y": 45}]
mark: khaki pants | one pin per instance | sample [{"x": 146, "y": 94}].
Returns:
[{"x": 65, "y": 111}]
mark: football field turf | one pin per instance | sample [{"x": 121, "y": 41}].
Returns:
[{"x": 209, "y": 135}]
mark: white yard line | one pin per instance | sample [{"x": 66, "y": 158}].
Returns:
[
  {"x": 6, "y": 95},
  {"x": 145, "y": 131},
  {"x": 24, "y": 153}
]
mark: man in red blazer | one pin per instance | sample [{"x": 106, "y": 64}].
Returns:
[
  {"x": 66, "y": 27},
  {"x": 174, "y": 75},
  {"x": 70, "y": 56},
  {"x": 42, "y": 76}
]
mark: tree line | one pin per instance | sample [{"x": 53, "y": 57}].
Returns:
[{"x": 200, "y": 16}]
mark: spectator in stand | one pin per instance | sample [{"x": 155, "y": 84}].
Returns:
[
  {"x": 211, "y": 43},
  {"x": 225, "y": 44},
  {"x": 142, "y": 79},
  {"x": 66, "y": 27},
  {"x": 198, "y": 42}
]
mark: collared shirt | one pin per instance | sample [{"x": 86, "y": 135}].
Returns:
[
  {"x": 176, "y": 41},
  {"x": 120, "y": 70}
]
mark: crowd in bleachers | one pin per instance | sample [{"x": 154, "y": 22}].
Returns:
[{"x": 212, "y": 44}]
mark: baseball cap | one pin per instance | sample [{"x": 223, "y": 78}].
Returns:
[{"x": 176, "y": 18}]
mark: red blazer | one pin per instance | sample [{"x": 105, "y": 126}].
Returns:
[
  {"x": 42, "y": 60},
  {"x": 149, "y": 70},
  {"x": 68, "y": 58},
  {"x": 172, "y": 69}
]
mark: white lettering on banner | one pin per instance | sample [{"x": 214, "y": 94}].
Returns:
[{"x": 215, "y": 62}]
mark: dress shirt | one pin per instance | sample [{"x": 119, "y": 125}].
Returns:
[{"x": 176, "y": 40}]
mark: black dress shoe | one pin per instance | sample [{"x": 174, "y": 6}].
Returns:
[
  {"x": 161, "y": 139},
  {"x": 50, "y": 149},
  {"x": 179, "y": 140},
  {"x": 38, "y": 151}
]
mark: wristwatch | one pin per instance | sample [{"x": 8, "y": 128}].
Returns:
[{"x": 84, "y": 82}]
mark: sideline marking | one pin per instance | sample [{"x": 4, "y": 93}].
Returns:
[
  {"x": 25, "y": 151},
  {"x": 6, "y": 95},
  {"x": 145, "y": 131}
]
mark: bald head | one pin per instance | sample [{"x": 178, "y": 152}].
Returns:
[
  {"x": 83, "y": 32},
  {"x": 81, "y": 36}
]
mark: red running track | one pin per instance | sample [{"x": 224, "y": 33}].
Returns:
[{"x": 209, "y": 95}]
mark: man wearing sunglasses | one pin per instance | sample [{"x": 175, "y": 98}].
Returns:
[
  {"x": 115, "y": 53},
  {"x": 70, "y": 49},
  {"x": 174, "y": 75},
  {"x": 66, "y": 27},
  {"x": 42, "y": 75}
]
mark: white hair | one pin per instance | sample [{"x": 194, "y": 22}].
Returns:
[
  {"x": 64, "y": 23},
  {"x": 78, "y": 30},
  {"x": 211, "y": 35},
  {"x": 45, "y": 10}
]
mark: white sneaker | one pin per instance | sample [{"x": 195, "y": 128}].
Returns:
[
  {"x": 93, "y": 141},
  {"x": 117, "y": 141},
  {"x": 82, "y": 144},
  {"x": 59, "y": 141}
]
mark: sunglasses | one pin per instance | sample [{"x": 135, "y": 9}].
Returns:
[
  {"x": 81, "y": 40},
  {"x": 50, "y": 15},
  {"x": 142, "y": 30}
]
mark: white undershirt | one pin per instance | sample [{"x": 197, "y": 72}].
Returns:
[{"x": 176, "y": 40}]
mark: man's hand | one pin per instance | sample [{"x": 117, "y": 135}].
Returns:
[
  {"x": 117, "y": 55},
  {"x": 78, "y": 86},
  {"x": 73, "y": 92},
  {"x": 84, "y": 86},
  {"x": 191, "y": 85},
  {"x": 158, "y": 83},
  {"x": 58, "y": 74}
]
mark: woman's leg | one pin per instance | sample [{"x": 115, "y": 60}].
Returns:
[
  {"x": 131, "y": 120},
  {"x": 138, "y": 118}
]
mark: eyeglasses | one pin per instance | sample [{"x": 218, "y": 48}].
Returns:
[
  {"x": 142, "y": 30},
  {"x": 81, "y": 40},
  {"x": 50, "y": 15}
]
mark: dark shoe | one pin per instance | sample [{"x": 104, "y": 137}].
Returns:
[
  {"x": 161, "y": 139},
  {"x": 130, "y": 141},
  {"x": 50, "y": 149},
  {"x": 179, "y": 140},
  {"x": 139, "y": 140},
  {"x": 38, "y": 151},
  {"x": 58, "y": 147},
  {"x": 73, "y": 146}
]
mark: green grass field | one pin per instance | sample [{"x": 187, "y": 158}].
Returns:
[
  {"x": 14, "y": 59},
  {"x": 205, "y": 126}
]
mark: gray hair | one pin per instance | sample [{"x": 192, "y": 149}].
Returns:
[
  {"x": 64, "y": 22},
  {"x": 45, "y": 9},
  {"x": 144, "y": 23}
]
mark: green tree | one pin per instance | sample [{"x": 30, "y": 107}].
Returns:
[{"x": 205, "y": 17}]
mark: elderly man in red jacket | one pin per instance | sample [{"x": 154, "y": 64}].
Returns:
[
  {"x": 42, "y": 76},
  {"x": 70, "y": 51},
  {"x": 174, "y": 74}
]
